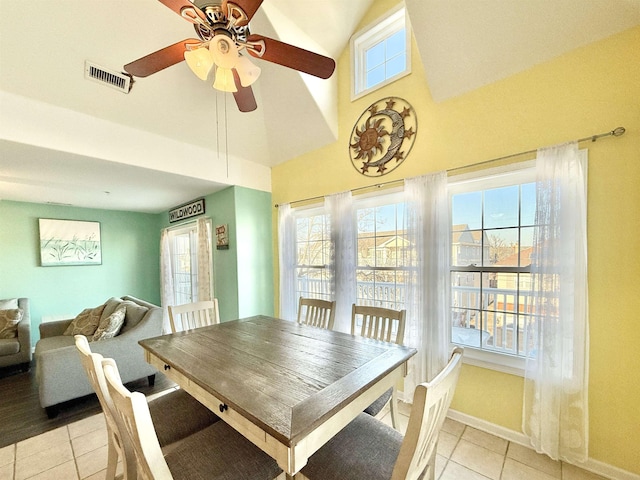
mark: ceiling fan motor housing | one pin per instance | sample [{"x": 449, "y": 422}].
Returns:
[{"x": 218, "y": 19}]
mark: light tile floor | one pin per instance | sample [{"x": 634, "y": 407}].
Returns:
[
  {"x": 79, "y": 451},
  {"x": 465, "y": 453}
]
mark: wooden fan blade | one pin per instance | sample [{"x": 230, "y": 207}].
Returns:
[
  {"x": 293, "y": 57},
  {"x": 156, "y": 61},
  {"x": 249, "y": 7},
  {"x": 178, "y": 5},
  {"x": 244, "y": 96}
]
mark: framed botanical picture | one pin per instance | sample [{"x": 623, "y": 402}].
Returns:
[{"x": 69, "y": 242}]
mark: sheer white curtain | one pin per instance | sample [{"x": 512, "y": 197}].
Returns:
[
  {"x": 555, "y": 408},
  {"x": 287, "y": 262},
  {"x": 205, "y": 260},
  {"x": 427, "y": 302},
  {"x": 166, "y": 278},
  {"x": 343, "y": 256}
]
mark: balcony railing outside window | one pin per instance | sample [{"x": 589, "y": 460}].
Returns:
[{"x": 485, "y": 321}]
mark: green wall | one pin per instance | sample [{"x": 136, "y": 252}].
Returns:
[
  {"x": 243, "y": 273},
  {"x": 130, "y": 265},
  {"x": 255, "y": 257}
]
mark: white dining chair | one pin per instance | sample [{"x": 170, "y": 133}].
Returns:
[
  {"x": 380, "y": 324},
  {"x": 368, "y": 448},
  {"x": 176, "y": 414},
  {"x": 193, "y": 315},
  {"x": 217, "y": 452},
  {"x": 316, "y": 312}
]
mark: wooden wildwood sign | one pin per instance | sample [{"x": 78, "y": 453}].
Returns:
[{"x": 188, "y": 210}]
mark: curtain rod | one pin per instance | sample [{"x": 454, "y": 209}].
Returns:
[
  {"x": 616, "y": 132},
  {"x": 184, "y": 223}
]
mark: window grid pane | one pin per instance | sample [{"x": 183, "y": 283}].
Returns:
[
  {"x": 185, "y": 265},
  {"x": 395, "y": 65},
  {"x": 491, "y": 287},
  {"x": 313, "y": 251},
  {"x": 375, "y": 56},
  {"x": 380, "y": 278},
  {"x": 396, "y": 43},
  {"x": 375, "y": 76}
]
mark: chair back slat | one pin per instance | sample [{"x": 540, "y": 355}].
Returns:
[
  {"x": 431, "y": 402},
  {"x": 378, "y": 323},
  {"x": 193, "y": 315},
  {"x": 316, "y": 312},
  {"x": 138, "y": 425}
]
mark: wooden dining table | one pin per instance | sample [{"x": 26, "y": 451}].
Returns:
[{"x": 286, "y": 387}]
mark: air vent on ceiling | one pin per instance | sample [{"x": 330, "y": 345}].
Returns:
[{"x": 117, "y": 80}]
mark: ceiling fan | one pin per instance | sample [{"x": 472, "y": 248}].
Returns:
[{"x": 223, "y": 30}]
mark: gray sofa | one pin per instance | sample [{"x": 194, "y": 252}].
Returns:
[
  {"x": 59, "y": 372},
  {"x": 17, "y": 351}
]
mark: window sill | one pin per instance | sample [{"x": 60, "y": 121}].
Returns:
[{"x": 493, "y": 361}]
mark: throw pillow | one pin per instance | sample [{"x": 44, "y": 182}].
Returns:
[
  {"x": 110, "y": 326},
  {"x": 86, "y": 322},
  {"x": 9, "y": 320},
  {"x": 8, "y": 304},
  {"x": 135, "y": 313}
]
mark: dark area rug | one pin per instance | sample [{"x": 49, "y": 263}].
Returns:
[{"x": 22, "y": 416}]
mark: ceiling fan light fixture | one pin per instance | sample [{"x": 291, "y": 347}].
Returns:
[
  {"x": 200, "y": 61},
  {"x": 224, "y": 80},
  {"x": 224, "y": 51},
  {"x": 247, "y": 71}
]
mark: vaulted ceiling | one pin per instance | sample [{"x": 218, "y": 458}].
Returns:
[{"x": 65, "y": 139}]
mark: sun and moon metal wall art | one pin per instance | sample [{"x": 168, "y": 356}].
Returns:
[{"x": 383, "y": 136}]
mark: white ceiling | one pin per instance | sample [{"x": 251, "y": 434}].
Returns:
[{"x": 65, "y": 139}]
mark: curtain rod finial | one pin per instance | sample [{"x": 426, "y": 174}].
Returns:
[{"x": 618, "y": 131}]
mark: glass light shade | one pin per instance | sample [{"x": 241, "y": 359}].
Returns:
[
  {"x": 224, "y": 80},
  {"x": 200, "y": 62},
  {"x": 224, "y": 51},
  {"x": 247, "y": 71}
]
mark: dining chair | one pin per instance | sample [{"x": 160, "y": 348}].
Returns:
[
  {"x": 316, "y": 312},
  {"x": 193, "y": 315},
  {"x": 217, "y": 452},
  {"x": 368, "y": 448},
  {"x": 380, "y": 324},
  {"x": 176, "y": 414}
]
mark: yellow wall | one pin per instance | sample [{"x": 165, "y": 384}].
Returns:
[{"x": 590, "y": 90}]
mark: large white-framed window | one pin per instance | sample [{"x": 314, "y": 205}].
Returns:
[
  {"x": 383, "y": 250},
  {"x": 381, "y": 266},
  {"x": 313, "y": 247},
  {"x": 492, "y": 228},
  {"x": 380, "y": 53}
]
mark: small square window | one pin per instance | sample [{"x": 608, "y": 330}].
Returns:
[{"x": 380, "y": 53}]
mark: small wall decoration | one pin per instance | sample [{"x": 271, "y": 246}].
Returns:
[
  {"x": 187, "y": 210},
  {"x": 383, "y": 136},
  {"x": 222, "y": 237},
  {"x": 69, "y": 242}
]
